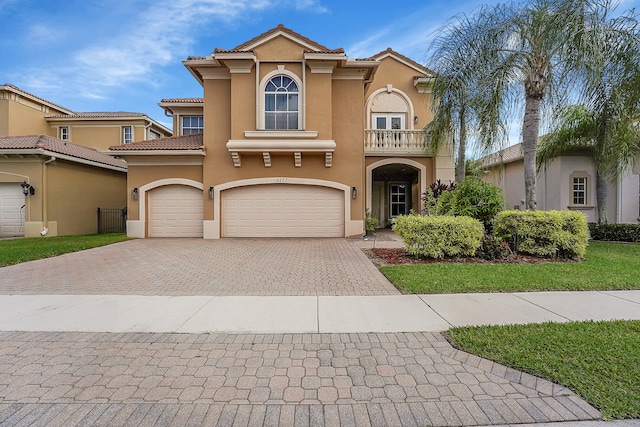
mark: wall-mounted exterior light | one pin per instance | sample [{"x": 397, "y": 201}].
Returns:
[
  {"x": 27, "y": 189},
  {"x": 211, "y": 192},
  {"x": 415, "y": 120},
  {"x": 134, "y": 193},
  {"x": 354, "y": 192}
]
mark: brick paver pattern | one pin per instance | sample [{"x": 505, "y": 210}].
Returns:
[
  {"x": 147, "y": 379},
  {"x": 183, "y": 267}
]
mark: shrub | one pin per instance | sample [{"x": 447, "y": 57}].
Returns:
[
  {"x": 435, "y": 200},
  {"x": 493, "y": 248},
  {"x": 439, "y": 236},
  {"x": 544, "y": 233},
  {"x": 478, "y": 199},
  {"x": 615, "y": 232}
]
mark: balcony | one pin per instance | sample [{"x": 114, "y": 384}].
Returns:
[{"x": 385, "y": 141}]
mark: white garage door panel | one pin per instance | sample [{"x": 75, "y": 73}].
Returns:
[
  {"x": 11, "y": 210},
  {"x": 278, "y": 210},
  {"x": 175, "y": 211}
]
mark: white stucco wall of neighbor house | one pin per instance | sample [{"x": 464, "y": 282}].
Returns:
[{"x": 628, "y": 199}]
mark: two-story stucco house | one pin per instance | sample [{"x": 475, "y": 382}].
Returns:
[
  {"x": 55, "y": 151},
  {"x": 291, "y": 139}
]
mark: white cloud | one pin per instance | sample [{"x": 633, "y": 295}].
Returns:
[{"x": 156, "y": 33}]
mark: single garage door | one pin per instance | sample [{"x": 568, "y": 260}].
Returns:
[
  {"x": 11, "y": 210},
  {"x": 281, "y": 210},
  {"x": 175, "y": 211}
]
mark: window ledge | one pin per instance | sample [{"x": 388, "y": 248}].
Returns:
[
  {"x": 280, "y": 134},
  {"x": 581, "y": 207}
]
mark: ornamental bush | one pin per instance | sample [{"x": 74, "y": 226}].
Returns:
[
  {"x": 615, "y": 232},
  {"x": 478, "y": 199},
  {"x": 549, "y": 234},
  {"x": 439, "y": 236}
]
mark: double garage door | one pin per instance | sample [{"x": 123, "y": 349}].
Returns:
[
  {"x": 270, "y": 210},
  {"x": 282, "y": 210},
  {"x": 11, "y": 210}
]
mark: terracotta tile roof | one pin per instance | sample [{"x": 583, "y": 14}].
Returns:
[
  {"x": 330, "y": 51},
  {"x": 97, "y": 115},
  {"x": 280, "y": 27},
  {"x": 404, "y": 58},
  {"x": 184, "y": 142},
  {"x": 16, "y": 89},
  {"x": 507, "y": 155},
  {"x": 55, "y": 145},
  {"x": 182, "y": 100}
]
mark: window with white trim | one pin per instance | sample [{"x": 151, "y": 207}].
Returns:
[
  {"x": 63, "y": 133},
  {"x": 192, "y": 124},
  {"x": 579, "y": 191},
  {"x": 127, "y": 134},
  {"x": 281, "y": 104}
]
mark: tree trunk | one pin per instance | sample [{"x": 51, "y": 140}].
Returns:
[
  {"x": 601, "y": 198},
  {"x": 462, "y": 149},
  {"x": 530, "y": 127}
]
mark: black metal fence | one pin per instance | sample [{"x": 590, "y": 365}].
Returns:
[{"x": 112, "y": 220}]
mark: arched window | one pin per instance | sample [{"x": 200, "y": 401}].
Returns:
[{"x": 281, "y": 103}]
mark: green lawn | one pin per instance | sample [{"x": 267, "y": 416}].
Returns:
[
  {"x": 597, "y": 360},
  {"x": 608, "y": 266},
  {"x": 14, "y": 251}
]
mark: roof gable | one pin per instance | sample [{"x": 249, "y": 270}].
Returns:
[
  {"x": 282, "y": 31},
  {"x": 390, "y": 53}
]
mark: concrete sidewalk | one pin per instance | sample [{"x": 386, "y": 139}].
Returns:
[{"x": 306, "y": 314}]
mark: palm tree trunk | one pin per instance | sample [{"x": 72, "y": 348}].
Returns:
[
  {"x": 601, "y": 198},
  {"x": 530, "y": 128},
  {"x": 462, "y": 148}
]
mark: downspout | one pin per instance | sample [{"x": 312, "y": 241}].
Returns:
[{"x": 45, "y": 196}]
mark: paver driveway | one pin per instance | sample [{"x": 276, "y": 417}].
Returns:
[{"x": 204, "y": 267}]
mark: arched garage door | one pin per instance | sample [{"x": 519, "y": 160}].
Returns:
[
  {"x": 175, "y": 211},
  {"x": 282, "y": 210}
]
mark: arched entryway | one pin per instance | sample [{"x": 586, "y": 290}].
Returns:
[{"x": 394, "y": 188}]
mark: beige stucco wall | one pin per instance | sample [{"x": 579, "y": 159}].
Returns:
[
  {"x": 138, "y": 176},
  {"x": 75, "y": 191},
  {"x": 99, "y": 134},
  {"x": 66, "y": 194},
  {"x": 24, "y": 118}
]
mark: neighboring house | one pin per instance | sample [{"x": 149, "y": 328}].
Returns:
[
  {"x": 568, "y": 182},
  {"x": 291, "y": 139},
  {"x": 65, "y": 184},
  {"x": 22, "y": 113}
]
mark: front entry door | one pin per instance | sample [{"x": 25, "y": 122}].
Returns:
[{"x": 399, "y": 199}]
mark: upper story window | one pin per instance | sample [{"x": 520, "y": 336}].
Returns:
[
  {"x": 281, "y": 104},
  {"x": 153, "y": 134},
  {"x": 192, "y": 124},
  {"x": 127, "y": 134},
  {"x": 63, "y": 133}
]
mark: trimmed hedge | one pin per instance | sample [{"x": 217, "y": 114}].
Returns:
[
  {"x": 615, "y": 232},
  {"x": 548, "y": 234},
  {"x": 439, "y": 236}
]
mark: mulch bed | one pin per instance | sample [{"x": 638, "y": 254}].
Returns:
[{"x": 398, "y": 256}]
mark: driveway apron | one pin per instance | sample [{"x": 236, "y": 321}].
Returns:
[{"x": 249, "y": 379}]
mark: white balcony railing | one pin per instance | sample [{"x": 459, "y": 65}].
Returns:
[{"x": 396, "y": 141}]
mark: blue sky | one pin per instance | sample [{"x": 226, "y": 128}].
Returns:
[{"x": 106, "y": 55}]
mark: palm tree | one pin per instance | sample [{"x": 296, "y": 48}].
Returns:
[
  {"x": 537, "y": 52},
  {"x": 458, "y": 93},
  {"x": 606, "y": 128}
]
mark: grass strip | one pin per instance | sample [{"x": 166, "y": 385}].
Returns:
[
  {"x": 599, "y": 361},
  {"x": 608, "y": 266},
  {"x": 14, "y": 251}
]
